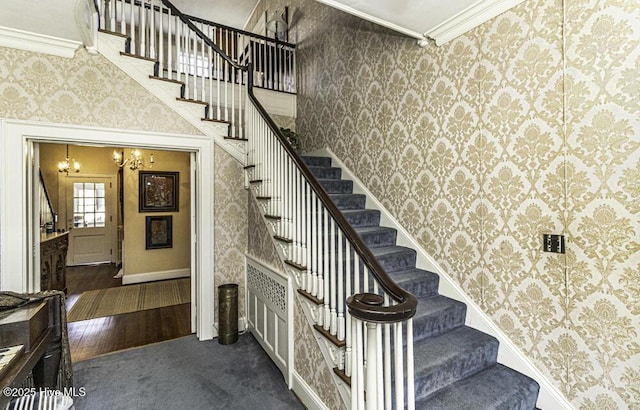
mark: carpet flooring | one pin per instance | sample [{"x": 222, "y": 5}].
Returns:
[
  {"x": 130, "y": 298},
  {"x": 183, "y": 373}
]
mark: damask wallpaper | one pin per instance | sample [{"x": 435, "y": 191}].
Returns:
[
  {"x": 528, "y": 124},
  {"x": 230, "y": 219},
  {"x": 86, "y": 90},
  {"x": 89, "y": 90}
]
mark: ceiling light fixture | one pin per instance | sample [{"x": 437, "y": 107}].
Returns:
[
  {"x": 134, "y": 161},
  {"x": 67, "y": 165}
]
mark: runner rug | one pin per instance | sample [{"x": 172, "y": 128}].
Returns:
[{"x": 130, "y": 298}]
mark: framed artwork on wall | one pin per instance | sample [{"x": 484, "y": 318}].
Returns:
[
  {"x": 158, "y": 191},
  {"x": 159, "y": 232}
]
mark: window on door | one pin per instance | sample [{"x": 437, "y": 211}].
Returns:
[{"x": 89, "y": 210}]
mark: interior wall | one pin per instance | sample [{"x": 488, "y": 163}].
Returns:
[
  {"x": 138, "y": 259},
  {"x": 526, "y": 125}
]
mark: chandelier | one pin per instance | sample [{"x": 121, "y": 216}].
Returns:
[
  {"x": 134, "y": 161},
  {"x": 68, "y": 165}
]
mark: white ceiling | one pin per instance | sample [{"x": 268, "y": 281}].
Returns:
[{"x": 441, "y": 20}]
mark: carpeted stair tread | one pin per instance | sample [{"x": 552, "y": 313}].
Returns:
[
  {"x": 326, "y": 172},
  {"x": 395, "y": 258},
  {"x": 337, "y": 186},
  {"x": 419, "y": 282},
  {"x": 451, "y": 356},
  {"x": 317, "y": 161},
  {"x": 437, "y": 314},
  {"x": 375, "y": 236},
  {"x": 495, "y": 388},
  {"x": 359, "y": 218},
  {"x": 349, "y": 201}
]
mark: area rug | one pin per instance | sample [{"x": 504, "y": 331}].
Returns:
[{"x": 130, "y": 298}]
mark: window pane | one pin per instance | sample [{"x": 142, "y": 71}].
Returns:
[
  {"x": 88, "y": 189},
  {"x": 89, "y": 205},
  {"x": 100, "y": 219},
  {"x": 78, "y": 205},
  {"x": 99, "y": 190},
  {"x": 78, "y": 221},
  {"x": 100, "y": 205},
  {"x": 77, "y": 189}
]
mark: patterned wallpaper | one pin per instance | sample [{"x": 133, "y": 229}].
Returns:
[
  {"x": 84, "y": 90},
  {"x": 89, "y": 90},
  {"x": 528, "y": 124},
  {"x": 308, "y": 360},
  {"x": 230, "y": 219}
]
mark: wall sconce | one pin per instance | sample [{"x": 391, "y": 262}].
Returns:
[
  {"x": 67, "y": 165},
  {"x": 135, "y": 160}
]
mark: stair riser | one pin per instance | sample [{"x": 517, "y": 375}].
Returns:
[
  {"x": 317, "y": 161},
  {"x": 326, "y": 172},
  {"x": 352, "y": 201},
  {"x": 371, "y": 239},
  {"x": 437, "y": 324},
  {"x": 337, "y": 186},
  {"x": 420, "y": 288},
  {"x": 464, "y": 365}
]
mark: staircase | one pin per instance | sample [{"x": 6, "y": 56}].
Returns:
[
  {"x": 455, "y": 365},
  {"x": 398, "y": 343}
]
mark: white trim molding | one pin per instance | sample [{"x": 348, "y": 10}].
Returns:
[
  {"x": 39, "y": 43},
  {"x": 469, "y": 18},
  {"x": 132, "y": 278},
  {"x": 16, "y": 261},
  {"x": 305, "y": 393}
]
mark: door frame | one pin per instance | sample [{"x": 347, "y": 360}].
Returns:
[
  {"x": 18, "y": 270},
  {"x": 112, "y": 204}
]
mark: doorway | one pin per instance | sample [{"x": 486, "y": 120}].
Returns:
[{"x": 17, "y": 230}]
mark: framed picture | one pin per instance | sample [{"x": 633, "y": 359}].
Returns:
[
  {"x": 159, "y": 232},
  {"x": 158, "y": 191}
]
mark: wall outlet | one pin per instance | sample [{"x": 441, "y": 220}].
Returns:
[{"x": 553, "y": 243}]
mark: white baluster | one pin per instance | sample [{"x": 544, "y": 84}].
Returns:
[
  {"x": 358, "y": 365},
  {"x": 211, "y": 68},
  {"x": 399, "y": 368},
  {"x": 333, "y": 287},
  {"x": 372, "y": 366},
  {"x": 326, "y": 272},
  {"x": 161, "y": 42},
  {"x": 348, "y": 292},
  {"x": 387, "y": 361},
  {"x": 152, "y": 30},
  {"x": 143, "y": 28},
  {"x": 170, "y": 47},
  {"x": 112, "y": 14},
  {"x": 132, "y": 28},
  {"x": 340, "y": 291},
  {"x": 411, "y": 395},
  {"x": 123, "y": 23}
]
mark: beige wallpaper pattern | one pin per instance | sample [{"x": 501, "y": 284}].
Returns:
[
  {"x": 308, "y": 359},
  {"x": 89, "y": 90},
  {"x": 230, "y": 219},
  {"x": 521, "y": 127},
  {"x": 86, "y": 90}
]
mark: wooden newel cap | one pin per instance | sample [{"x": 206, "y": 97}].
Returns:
[{"x": 370, "y": 299}]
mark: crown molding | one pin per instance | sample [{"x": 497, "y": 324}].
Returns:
[
  {"x": 38, "y": 43},
  {"x": 469, "y": 18}
]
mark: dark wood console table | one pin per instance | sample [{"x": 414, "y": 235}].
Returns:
[{"x": 53, "y": 261}]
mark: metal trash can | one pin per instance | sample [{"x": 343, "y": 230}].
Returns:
[{"x": 228, "y": 313}]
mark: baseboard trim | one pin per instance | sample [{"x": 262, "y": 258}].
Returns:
[
  {"x": 305, "y": 393},
  {"x": 132, "y": 278}
]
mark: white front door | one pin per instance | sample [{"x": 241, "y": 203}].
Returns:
[{"x": 89, "y": 219}]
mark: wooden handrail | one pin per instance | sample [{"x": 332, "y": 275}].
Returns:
[{"x": 407, "y": 302}]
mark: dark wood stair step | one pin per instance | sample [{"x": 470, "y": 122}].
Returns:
[
  {"x": 311, "y": 297},
  {"x": 168, "y": 80},
  {"x": 329, "y": 336},
  {"x": 122, "y": 53}
]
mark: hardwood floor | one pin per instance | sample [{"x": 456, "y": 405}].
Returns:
[{"x": 90, "y": 338}]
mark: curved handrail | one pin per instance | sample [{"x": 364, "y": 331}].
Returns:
[{"x": 407, "y": 302}]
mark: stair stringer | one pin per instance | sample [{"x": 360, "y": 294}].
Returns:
[
  {"x": 509, "y": 354},
  {"x": 138, "y": 69},
  {"x": 331, "y": 353}
]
